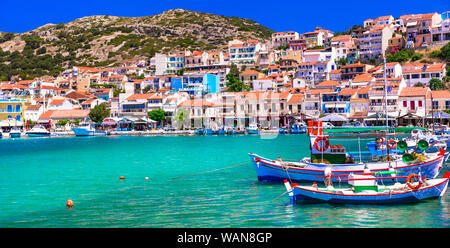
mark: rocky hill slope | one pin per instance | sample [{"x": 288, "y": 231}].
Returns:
[{"x": 107, "y": 40}]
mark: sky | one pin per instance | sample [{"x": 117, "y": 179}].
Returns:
[{"x": 288, "y": 15}]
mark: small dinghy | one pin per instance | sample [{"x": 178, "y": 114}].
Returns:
[{"x": 364, "y": 189}]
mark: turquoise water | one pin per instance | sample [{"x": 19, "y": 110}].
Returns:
[{"x": 38, "y": 176}]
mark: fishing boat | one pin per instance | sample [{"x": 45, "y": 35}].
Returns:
[
  {"x": 297, "y": 129},
  {"x": 324, "y": 155},
  {"x": 282, "y": 130},
  {"x": 364, "y": 189},
  {"x": 38, "y": 131},
  {"x": 238, "y": 131},
  {"x": 199, "y": 131},
  {"x": 252, "y": 129},
  {"x": 87, "y": 130},
  {"x": 209, "y": 131},
  {"x": 15, "y": 132},
  {"x": 221, "y": 131},
  {"x": 379, "y": 146}
]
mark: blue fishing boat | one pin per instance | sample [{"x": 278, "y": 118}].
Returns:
[
  {"x": 282, "y": 130},
  {"x": 238, "y": 131},
  {"x": 209, "y": 131},
  {"x": 221, "y": 131},
  {"x": 199, "y": 131},
  {"x": 297, "y": 129},
  {"x": 364, "y": 189},
  {"x": 252, "y": 129},
  {"x": 87, "y": 130},
  {"x": 324, "y": 155}
]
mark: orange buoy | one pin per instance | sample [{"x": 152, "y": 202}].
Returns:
[
  {"x": 122, "y": 177},
  {"x": 69, "y": 203}
]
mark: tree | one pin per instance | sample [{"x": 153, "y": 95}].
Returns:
[
  {"x": 62, "y": 122},
  {"x": 99, "y": 113},
  {"x": 342, "y": 61},
  {"x": 419, "y": 84},
  {"x": 435, "y": 84},
  {"x": 181, "y": 118},
  {"x": 147, "y": 89},
  {"x": 157, "y": 115},
  {"x": 76, "y": 122},
  {"x": 234, "y": 85}
]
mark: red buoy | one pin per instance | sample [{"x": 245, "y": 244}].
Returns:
[
  {"x": 69, "y": 203},
  {"x": 122, "y": 177}
]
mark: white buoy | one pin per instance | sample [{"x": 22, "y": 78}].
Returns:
[{"x": 146, "y": 178}]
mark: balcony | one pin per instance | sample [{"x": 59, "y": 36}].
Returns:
[{"x": 381, "y": 108}]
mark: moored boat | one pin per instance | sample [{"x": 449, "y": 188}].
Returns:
[
  {"x": 297, "y": 129},
  {"x": 252, "y": 129},
  {"x": 38, "y": 131},
  {"x": 15, "y": 132},
  {"x": 199, "y": 131},
  {"x": 364, "y": 189},
  {"x": 336, "y": 158},
  {"x": 87, "y": 130}
]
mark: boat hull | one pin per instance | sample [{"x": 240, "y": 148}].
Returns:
[
  {"x": 274, "y": 171},
  {"x": 302, "y": 194},
  {"x": 38, "y": 134},
  {"x": 84, "y": 132},
  {"x": 251, "y": 131},
  {"x": 14, "y": 135}
]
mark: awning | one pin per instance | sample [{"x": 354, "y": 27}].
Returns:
[
  {"x": 379, "y": 116},
  {"x": 438, "y": 115},
  {"x": 11, "y": 123},
  {"x": 333, "y": 117}
]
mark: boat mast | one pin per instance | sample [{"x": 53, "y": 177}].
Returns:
[
  {"x": 385, "y": 92},
  {"x": 385, "y": 108}
]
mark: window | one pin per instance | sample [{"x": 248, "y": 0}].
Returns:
[
  {"x": 18, "y": 108},
  {"x": 447, "y": 104},
  {"x": 420, "y": 103},
  {"x": 435, "y": 105},
  {"x": 9, "y": 108},
  {"x": 405, "y": 104},
  {"x": 18, "y": 117}
]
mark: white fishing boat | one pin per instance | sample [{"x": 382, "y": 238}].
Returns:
[
  {"x": 38, "y": 131},
  {"x": 15, "y": 132},
  {"x": 87, "y": 130}
]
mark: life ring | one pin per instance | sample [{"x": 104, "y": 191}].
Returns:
[
  {"x": 410, "y": 185},
  {"x": 380, "y": 140},
  {"x": 392, "y": 144},
  {"x": 325, "y": 143}
]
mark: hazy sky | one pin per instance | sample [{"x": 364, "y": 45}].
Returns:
[{"x": 296, "y": 15}]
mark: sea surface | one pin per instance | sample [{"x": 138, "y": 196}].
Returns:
[{"x": 193, "y": 181}]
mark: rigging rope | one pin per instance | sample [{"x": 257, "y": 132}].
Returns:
[{"x": 210, "y": 171}]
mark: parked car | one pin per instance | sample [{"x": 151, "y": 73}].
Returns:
[
  {"x": 169, "y": 128},
  {"x": 351, "y": 124},
  {"x": 327, "y": 125}
]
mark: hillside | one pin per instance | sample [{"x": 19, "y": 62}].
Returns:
[{"x": 107, "y": 40}]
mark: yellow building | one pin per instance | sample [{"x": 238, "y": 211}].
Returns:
[{"x": 12, "y": 109}]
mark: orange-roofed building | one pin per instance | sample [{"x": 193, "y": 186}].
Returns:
[
  {"x": 362, "y": 80},
  {"x": 248, "y": 76},
  {"x": 359, "y": 104},
  {"x": 440, "y": 100},
  {"x": 374, "y": 42},
  {"x": 352, "y": 70},
  {"x": 330, "y": 84},
  {"x": 283, "y": 38},
  {"x": 295, "y": 103},
  {"x": 422, "y": 73},
  {"x": 414, "y": 102}
]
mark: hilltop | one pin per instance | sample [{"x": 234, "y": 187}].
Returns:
[{"x": 103, "y": 40}]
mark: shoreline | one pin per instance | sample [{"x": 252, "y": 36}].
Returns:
[{"x": 140, "y": 133}]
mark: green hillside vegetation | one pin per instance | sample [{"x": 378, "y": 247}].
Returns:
[{"x": 108, "y": 40}]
